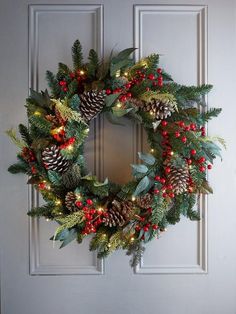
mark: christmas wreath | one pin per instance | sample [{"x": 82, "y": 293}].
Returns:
[{"x": 166, "y": 182}]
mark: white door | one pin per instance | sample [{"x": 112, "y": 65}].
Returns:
[{"x": 192, "y": 268}]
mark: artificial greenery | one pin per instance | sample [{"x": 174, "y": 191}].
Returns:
[{"x": 127, "y": 216}]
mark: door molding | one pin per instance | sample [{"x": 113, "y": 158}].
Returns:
[
  {"x": 200, "y": 13},
  {"x": 35, "y": 266}
]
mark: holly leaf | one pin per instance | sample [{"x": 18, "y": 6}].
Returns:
[
  {"x": 142, "y": 185},
  {"x": 147, "y": 158}
]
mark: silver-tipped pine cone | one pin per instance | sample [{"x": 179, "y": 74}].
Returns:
[
  {"x": 179, "y": 179},
  {"x": 70, "y": 200},
  {"x": 92, "y": 103},
  {"x": 145, "y": 201},
  {"x": 118, "y": 214},
  {"x": 53, "y": 160},
  {"x": 159, "y": 109}
]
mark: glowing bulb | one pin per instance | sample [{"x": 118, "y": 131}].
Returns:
[
  {"x": 109, "y": 245},
  {"x": 133, "y": 198},
  {"x": 118, "y": 105},
  {"x": 70, "y": 147},
  {"x": 81, "y": 72},
  {"x": 118, "y": 73},
  {"x": 151, "y": 150},
  {"x": 100, "y": 210},
  {"x": 58, "y": 202},
  {"x": 37, "y": 113},
  {"x": 151, "y": 113},
  {"x": 132, "y": 239},
  {"x": 126, "y": 73},
  {"x": 78, "y": 196},
  {"x": 47, "y": 219}
]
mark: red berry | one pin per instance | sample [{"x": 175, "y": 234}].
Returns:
[
  {"x": 209, "y": 167},
  {"x": 145, "y": 228},
  {"x": 92, "y": 211},
  {"x": 159, "y": 70},
  {"x": 78, "y": 203},
  {"x": 164, "y": 133},
  {"x": 187, "y": 128},
  {"x": 189, "y": 161},
  {"x": 203, "y": 129},
  {"x": 88, "y": 216},
  {"x": 193, "y": 152},
  {"x": 157, "y": 178},
  {"x": 160, "y": 83},
  {"x": 147, "y": 89},
  {"x": 65, "y": 89},
  {"x": 149, "y": 210},
  {"x": 154, "y": 227},
  {"x": 202, "y": 168},
  {"x": 85, "y": 209},
  {"x": 171, "y": 195},
  {"x": 201, "y": 160},
  {"x": 129, "y": 95},
  {"x": 156, "y": 191},
  {"x": 164, "y": 123},
  {"x": 108, "y": 91},
  {"x": 137, "y": 228},
  {"x": 203, "y": 133},
  {"x": 61, "y": 83},
  {"x": 42, "y": 185},
  {"x": 177, "y": 134},
  {"x": 167, "y": 170},
  {"x": 72, "y": 75},
  {"x": 193, "y": 126},
  {"x": 151, "y": 76},
  {"x": 169, "y": 187},
  {"x": 181, "y": 124},
  {"x": 184, "y": 139},
  {"x": 128, "y": 85},
  {"x": 164, "y": 194},
  {"x": 89, "y": 202},
  {"x": 154, "y": 83},
  {"x": 163, "y": 180}
]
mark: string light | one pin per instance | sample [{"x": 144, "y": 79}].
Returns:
[
  {"x": 152, "y": 150},
  {"x": 132, "y": 239},
  {"x": 118, "y": 105},
  {"x": 100, "y": 210},
  {"x": 47, "y": 219},
  {"x": 133, "y": 198},
  {"x": 151, "y": 113},
  {"x": 78, "y": 196},
  {"x": 58, "y": 202},
  {"x": 70, "y": 147},
  {"x": 37, "y": 113},
  {"x": 118, "y": 73},
  {"x": 81, "y": 72},
  {"x": 126, "y": 74}
]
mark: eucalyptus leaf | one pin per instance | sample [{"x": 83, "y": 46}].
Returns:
[
  {"x": 110, "y": 99},
  {"x": 139, "y": 168},
  {"x": 143, "y": 184},
  {"x": 147, "y": 158}
]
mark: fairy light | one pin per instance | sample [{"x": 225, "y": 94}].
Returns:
[
  {"x": 126, "y": 74},
  {"x": 37, "y": 113},
  {"x": 118, "y": 73},
  {"x": 81, "y": 72},
  {"x": 47, "y": 219},
  {"x": 132, "y": 239},
  {"x": 100, "y": 210},
  {"x": 58, "y": 202},
  {"x": 152, "y": 150},
  {"x": 151, "y": 113},
  {"x": 118, "y": 105},
  {"x": 78, "y": 196},
  {"x": 70, "y": 147},
  {"x": 133, "y": 198}
]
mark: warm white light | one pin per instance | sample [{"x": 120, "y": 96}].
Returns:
[
  {"x": 81, "y": 72},
  {"x": 133, "y": 198},
  {"x": 118, "y": 73},
  {"x": 152, "y": 150},
  {"x": 118, "y": 105}
]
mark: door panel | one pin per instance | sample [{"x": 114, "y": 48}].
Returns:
[{"x": 192, "y": 267}]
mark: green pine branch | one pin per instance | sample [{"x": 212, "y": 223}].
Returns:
[{"x": 77, "y": 55}]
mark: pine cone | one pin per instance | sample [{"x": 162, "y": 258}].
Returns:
[
  {"x": 118, "y": 214},
  {"x": 53, "y": 160},
  {"x": 159, "y": 109},
  {"x": 70, "y": 200},
  {"x": 145, "y": 201},
  {"x": 91, "y": 104},
  {"x": 178, "y": 178}
]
